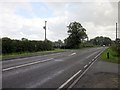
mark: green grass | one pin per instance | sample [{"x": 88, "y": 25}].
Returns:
[
  {"x": 113, "y": 56},
  {"x": 31, "y": 53}
]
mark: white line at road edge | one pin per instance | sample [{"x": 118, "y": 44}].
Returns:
[
  {"x": 84, "y": 72},
  {"x": 62, "y": 86},
  {"x": 6, "y": 69},
  {"x": 72, "y": 54}
]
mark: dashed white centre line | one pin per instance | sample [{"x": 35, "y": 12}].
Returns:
[
  {"x": 92, "y": 59},
  {"x": 89, "y": 62},
  {"x": 72, "y": 54},
  {"x": 85, "y": 66},
  {"x": 69, "y": 80},
  {"x": 10, "y": 68}
]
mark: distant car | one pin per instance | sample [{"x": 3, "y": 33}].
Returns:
[{"x": 103, "y": 45}]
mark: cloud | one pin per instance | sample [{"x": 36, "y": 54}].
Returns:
[
  {"x": 97, "y": 17},
  {"x": 94, "y": 31}
]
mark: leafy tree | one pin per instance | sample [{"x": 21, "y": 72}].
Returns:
[
  {"x": 76, "y": 34},
  {"x": 101, "y": 41},
  {"x": 58, "y": 44},
  {"x": 6, "y": 45}
]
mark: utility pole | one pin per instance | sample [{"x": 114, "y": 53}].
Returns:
[
  {"x": 116, "y": 31},
  {"x": 45, "y": 29}
]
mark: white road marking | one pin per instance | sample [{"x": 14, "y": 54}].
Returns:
[
  {"x": 95, "y": 57},
  {"x": 59, "y": 60},
  {"x": 92, "y": 59},
  {"x": 6, "y": 69},
  {"x": 85, "y": 66},
  {"x": 89, "y": 62},
  {"x": 62, "y": 86},
  {"x": 83, "y": 72},
  {"x": 72, "y": 54}
]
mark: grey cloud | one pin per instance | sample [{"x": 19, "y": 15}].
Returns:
[{"x": 94, "y": 16}]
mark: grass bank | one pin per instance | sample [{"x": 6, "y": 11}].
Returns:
[{"x": 113, "y": 56}]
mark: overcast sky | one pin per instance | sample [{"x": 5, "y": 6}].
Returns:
[{"x": 26, "y": 18}]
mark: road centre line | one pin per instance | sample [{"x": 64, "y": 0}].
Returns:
[
  {"x": 84, "y": 72},
  {"x": 62, "y": 86},
  {"x": 85, "y": 66},
  {"x": 92, "y": 59},
  {"x": 80, "y": 76},
  {"x": 90, "y": 62},
  {"x": 72, "y": 54},
  {"x": 23, "y": 65}
]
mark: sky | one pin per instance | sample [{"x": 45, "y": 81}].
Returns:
[{"x": 26, "y": 18}]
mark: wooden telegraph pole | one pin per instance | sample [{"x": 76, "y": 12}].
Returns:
[
  {"x": 45, "y": 29},
  {"x": 116, "y": 31}
]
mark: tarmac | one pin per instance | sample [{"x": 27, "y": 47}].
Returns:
[{"x": 101, "y": 75}]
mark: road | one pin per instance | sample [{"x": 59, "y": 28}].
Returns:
[{"x": 46, "y": 71}]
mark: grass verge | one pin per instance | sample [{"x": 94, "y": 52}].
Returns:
[
  {"x": 33, "y": 53},
  {"x": 113, "y": 56}
]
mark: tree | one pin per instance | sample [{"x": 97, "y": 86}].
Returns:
[
  {"x": 7, "y": 45},
  {"x": 58, "y": 44},
  {"x": 101, "y": 41},
  {"x": 24, "y": 39},
  {"x": 76, "y": 35}
]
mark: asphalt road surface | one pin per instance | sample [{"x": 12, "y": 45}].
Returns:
[{"x": 46, "y": 71}]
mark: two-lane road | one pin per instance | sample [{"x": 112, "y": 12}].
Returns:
[{"x": 47, "y": 71}]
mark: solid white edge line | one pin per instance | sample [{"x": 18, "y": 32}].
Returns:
[
  {"x": 69, "y": 80},
  {"x": 6, "y": 69}
]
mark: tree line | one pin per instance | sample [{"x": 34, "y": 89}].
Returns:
[
  {"x": 101, "y": 41},
  {"x": 24, "y": 45},
  {"x": 77, "y": 38}
]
